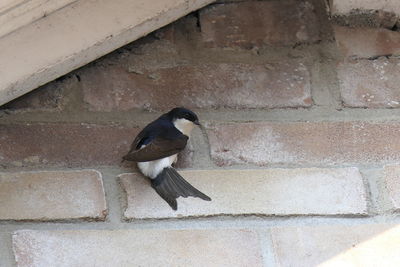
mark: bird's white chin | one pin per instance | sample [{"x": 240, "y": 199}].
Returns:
[{"x": 184, "y": 126}]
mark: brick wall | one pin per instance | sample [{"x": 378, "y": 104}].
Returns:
[{"x": 299, "y": 149}]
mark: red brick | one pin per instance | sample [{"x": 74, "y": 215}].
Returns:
[
  {"x": 64, "y": 144},
  {"x": 370, "y": 83},
  {"x": 392, "y": 180},
  {"x": 367, "y": 42},
  {"x": 321, "y": 143},
  {"x": 47, "y": 97},
  {"x": 253, "y": 24},
  {"x": 71, "y": 145},
  {"x": 285, "y": 84},
  {"x": 166, "y": 33},
  {"x": 52, "y": 195},
  {"x": 142, "y": 247},
  {"x": 337, "y": 245}
]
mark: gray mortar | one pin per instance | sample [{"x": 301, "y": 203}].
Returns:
[{"x": 141, "y": 118}]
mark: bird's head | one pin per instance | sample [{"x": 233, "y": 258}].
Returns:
[{"x": 184, "y": 119}]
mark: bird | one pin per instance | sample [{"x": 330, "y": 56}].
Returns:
[{"x": 155, "y": 150}]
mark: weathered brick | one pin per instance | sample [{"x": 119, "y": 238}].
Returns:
[
  {"x": 71, "y": 145},
  {"x": 367, "y": 18},
  {"x": 64, "y": 144},
  {"x": 166, "y": 33},
  {"x": 285, "y": 84},
  {"x": 253, "y": 24},
  {"x": 370, "y": 83},
  {"x": 261, "y": 192},
  {"x": 321, "y": 143},
  {"x": 6, "y": 255},
  {"x": 181, "y": 33},
  {"x": 356, "y": 245},
  {"x": 47, "y": 97},
  {"x": 348, "y": 6},
  {"x": 392, "y": 179},
  {"x": 52, "y": 195},
  {"x": 367, "y": 42},
  {"x": 220, "y": 247}
]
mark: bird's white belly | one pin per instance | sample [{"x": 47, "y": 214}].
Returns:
[{"x": 152, "y": 168}]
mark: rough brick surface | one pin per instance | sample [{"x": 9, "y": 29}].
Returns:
[
  {"x": 285, "y": 84},
  {"x": 319, "y": 143},
  {"x": 392, "y": 179},
  {"x": 44, "y": 98},
  {"x": 263, "y": 192},
  {"x": 64, "y": 144},
  {"x": 52, "y": 195},
  {"x": 367, "y": 18},
  {"x": 367, "y": 42},
  {"x": 370, "y": 83},
  {"x": 71, "y": 145},
  {"x": 347, "y": 6},
  {"x": 357, "y": 245},
  {"x": 6, "y": 255},
  {"x": 49, "y": 97},
  {"x": 137, "y": 248},
  {"x": 252, "y": 24}
]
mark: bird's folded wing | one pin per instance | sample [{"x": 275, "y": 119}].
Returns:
[{"x": 158, "y": 148}]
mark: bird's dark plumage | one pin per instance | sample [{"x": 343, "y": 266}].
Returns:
[
  {"x": 156, "y": 145},
  {"x": 159, "y": 140},
  {"x": 170, "y": 185}
]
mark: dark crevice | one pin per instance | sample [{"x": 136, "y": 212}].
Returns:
[
  {"x": 62, "y": 78},
  {"x": 198, "y": 23},
  {"x": 388, "y": 56}
]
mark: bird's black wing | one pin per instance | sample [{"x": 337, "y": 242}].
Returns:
[
  {"x": 147, "y": 148},
  {"x": 170, "y": 185}
]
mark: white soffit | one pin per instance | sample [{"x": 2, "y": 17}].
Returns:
[{"x": 17, "y": 13}]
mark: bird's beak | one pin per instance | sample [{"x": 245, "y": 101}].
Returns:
[{"x": 197, "y": 122}]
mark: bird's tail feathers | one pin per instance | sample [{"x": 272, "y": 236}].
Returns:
[{"x": 170, "y": 185}]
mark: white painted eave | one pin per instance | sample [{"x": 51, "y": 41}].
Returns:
[
  {"x": 15, "y": 14},
  {"x": 77, "y": 34}
]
